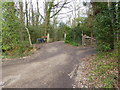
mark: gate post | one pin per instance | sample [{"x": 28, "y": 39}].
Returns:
[
  {"x": 64, "y": 36},
  {"x": 83, "y": 40},
  {"x": 48, "y": 37}
]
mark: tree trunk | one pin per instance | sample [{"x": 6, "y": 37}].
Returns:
[
  {"x": 26, "y": 9},
  {"x": 29, "y": 36},
  {"x": 48, "y": 8},
  {"x": 37, "y": 16},
  {"x": 91, "y": 38},
  {"x": 21, "y": 19},
  {"x": 29, "y": 17},
  {"x": 33, "y": 21}
]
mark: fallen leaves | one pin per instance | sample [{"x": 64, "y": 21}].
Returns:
[{"x": 97, "y": 72}]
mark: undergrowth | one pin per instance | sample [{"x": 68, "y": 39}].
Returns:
[
  {"x": 17, "y": 53},
  {"x": 104, "y": 70},
  {"x": 72, "y": 43}
]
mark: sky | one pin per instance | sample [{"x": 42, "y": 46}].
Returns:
[{"x": 65, "y": 13}]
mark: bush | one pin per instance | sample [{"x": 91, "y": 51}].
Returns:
[
  {"x": 36, "y": 32},
  {"x": 102, "y": 31},
  {"x": 101, "y": 46},
  {"x": 72, "y": 43},
  {"x": 74, "y": 35}
]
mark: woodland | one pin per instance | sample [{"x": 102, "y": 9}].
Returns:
[{"x": 22, "y": 25}]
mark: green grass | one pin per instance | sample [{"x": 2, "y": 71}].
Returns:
[
  {"x": 108, "y": 83},
  {"x": 72, "y": 43}
]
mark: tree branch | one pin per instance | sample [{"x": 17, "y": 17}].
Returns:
[
  {"x": 41, "y": 16},
  {"x": 59, "y": 9},
  {"x": 57, "y": 4}
]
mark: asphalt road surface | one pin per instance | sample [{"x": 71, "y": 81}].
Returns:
[{"x": 52, "y": 66}]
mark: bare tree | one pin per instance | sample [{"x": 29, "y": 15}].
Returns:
[
  {"x": 26, "y": 12},
  {"x": 29, "y": 16},
  {"x": 37, "y": 15},
  {"x": 21, "y": 18},
  {"x": 32, "y": 11},
  {"x": 49, "y": 7},
  {"x": 21, "y": 11}
]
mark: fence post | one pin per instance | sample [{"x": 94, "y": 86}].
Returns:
[{"x": 82, "y": 39}]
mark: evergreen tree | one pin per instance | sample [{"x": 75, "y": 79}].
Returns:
[{"x": 10, "y": 26}]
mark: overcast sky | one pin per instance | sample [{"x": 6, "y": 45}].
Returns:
[{"x": 63, "y": 17}]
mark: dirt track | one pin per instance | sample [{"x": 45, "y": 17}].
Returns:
[{"x": 53, "y": 66}]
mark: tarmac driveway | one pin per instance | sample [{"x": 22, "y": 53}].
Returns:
[{"x": 53, "y": 66}]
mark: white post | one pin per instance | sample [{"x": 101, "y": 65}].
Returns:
[
  {"x": 48, "y": 37},
  {"x": 64, "y": 36}
]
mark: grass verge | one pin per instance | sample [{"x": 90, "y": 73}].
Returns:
[
  {"x": 104, "y": 70},
  {"x": 72, "y": 43},
  {"x": 17, "y": 53}
]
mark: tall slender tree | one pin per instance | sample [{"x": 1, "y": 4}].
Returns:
[
  {"x": 21, "y": 19},
  {"x": 37, "y": 14},
  {"x": 48, "y": 8},
  {"x": 26, "y": 12},
  {"x": 33, "y": 15}
]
